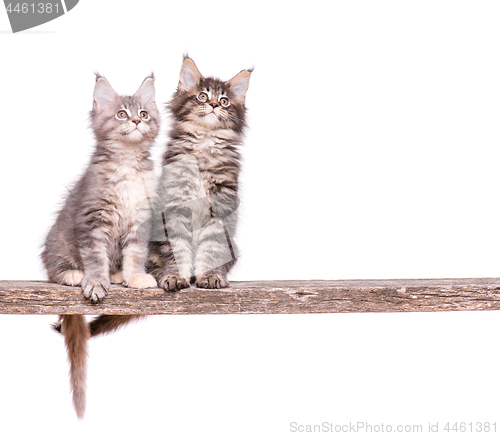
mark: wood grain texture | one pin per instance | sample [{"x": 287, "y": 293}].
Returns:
[{"x": 271, "y": 297}]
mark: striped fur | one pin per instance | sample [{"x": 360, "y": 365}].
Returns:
[
  {"x": 94, "y": 234},
  {"x": 197, "y": 198},
  {"x": 198, "y": 190},
  {"x": 93, "y": 241},
  {"x": 195, "y": 211},
  {"x": 76, "y": 334},
  {"x": 104, "y": 324}
]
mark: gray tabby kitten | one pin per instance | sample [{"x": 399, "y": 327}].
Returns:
[
  {"x": 199, "y": 186},
  {"x": 93, "y": 242},
  {"x": 198, "y": 191}
]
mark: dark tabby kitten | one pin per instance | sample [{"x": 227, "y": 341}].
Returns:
[
  {"x": 198, "y": 188},
  {"x": 93, "y": 242},
  {"x": 199, "y": 185}
]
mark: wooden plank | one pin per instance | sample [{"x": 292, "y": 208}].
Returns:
[{"x": 271, "y": 297}]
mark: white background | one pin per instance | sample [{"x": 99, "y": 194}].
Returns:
[{"x": 372, "y": 152}]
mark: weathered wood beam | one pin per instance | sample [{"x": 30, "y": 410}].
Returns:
[{"x": 301, "y": 296}]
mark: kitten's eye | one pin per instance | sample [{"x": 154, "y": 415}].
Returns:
[
  {"x": 224, "y": 101},
  {"x": 122, "y": 114},
  {"x": 144, "y": 115},
  {"x": 203, "y": 97}
]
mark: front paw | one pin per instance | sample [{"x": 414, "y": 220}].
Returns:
[
  {"x": 211, "y": 281},
  {"x": 142, "y": 281},
  {"x": 173, "y": 283},
  {"x": 95, "y": 288},
  {"x": 72, "y": 277}
]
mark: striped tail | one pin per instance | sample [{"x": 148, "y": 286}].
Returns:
[
  {"x": 76, "y": 334},
  {"x": 109, "y": 323}
]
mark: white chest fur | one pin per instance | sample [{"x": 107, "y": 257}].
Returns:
[
  {"x": 209, "y": 152},
  {"x": 133, "y": 190},
  {"x": 209, "y": 146}
]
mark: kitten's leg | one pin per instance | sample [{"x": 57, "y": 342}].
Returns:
[
  {"x": 72, "y": 277},
  {"x": 60, "y": 265},
  {"x": 61, "y": 271},
  {"x": 161, "y": 263},
  {"x": 135, "y": 254},
  {"x": 94, "y": 253},
  {"x": 214, "y": 256},
  {"x": 213, "y": 279},
  {"x": 180, "y": 188},
  {"x": 177, "y": 251},
  {"x": 169, "y": 276}
]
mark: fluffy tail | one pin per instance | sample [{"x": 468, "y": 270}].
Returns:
[
  {"x": 76, "y": 334},
  {"x": 109, "y": 323}
]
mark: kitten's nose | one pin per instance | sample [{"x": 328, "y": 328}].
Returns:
[
  {"x": 214, "y": 105},
  {"x": 136, "y": 121}
]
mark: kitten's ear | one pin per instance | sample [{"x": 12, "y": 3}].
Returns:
[
  {"x": 190, "y": 76},
  {"x": 104, "y": 94},
  {"x": 239, "y": 85},
  {"x": 146, "y": 92}
]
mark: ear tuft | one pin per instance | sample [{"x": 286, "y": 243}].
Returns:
[
  {"x": 104, "y": 94},
  {"x": 146, "y": 92},
  {"x": 239, "y": 84},
  {"x": 190, "y": 75}
]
